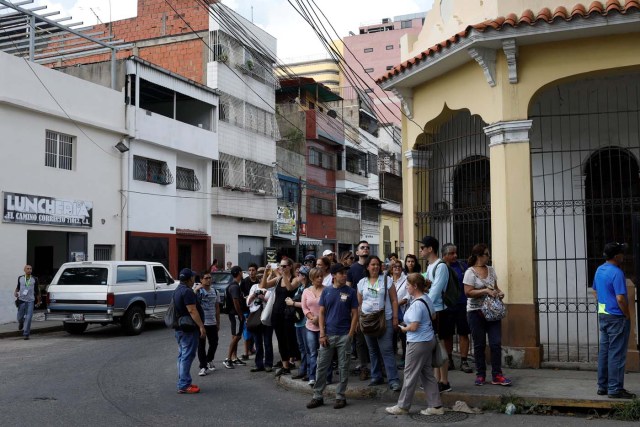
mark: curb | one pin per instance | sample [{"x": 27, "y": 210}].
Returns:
[
  {"x": 43, "y": 330},
  {"x": 384, "y": 394}
]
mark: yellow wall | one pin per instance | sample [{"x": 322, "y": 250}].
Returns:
[{"x": 393, "y": 222}]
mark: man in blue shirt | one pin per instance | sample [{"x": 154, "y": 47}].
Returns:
[
  {"x": 186, "y": 304},
  {"x": 338, "y": 319},
  {"x": 610, "y": 289}
]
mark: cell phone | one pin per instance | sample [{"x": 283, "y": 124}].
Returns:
[{"x": 274, "y": 265}]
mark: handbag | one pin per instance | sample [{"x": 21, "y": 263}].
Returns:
[
  {"x": 439, "y": 356},
  {"x": 493, "y": 309},
  {"x": 254, "y": 321},
  {"x": 186, "y": 323},
  {"x": 18, "y": 302},
  {"x": 292, "y": 312},
  {"x": 265, "y": 317},
  {"x": 374, "y": 324}
]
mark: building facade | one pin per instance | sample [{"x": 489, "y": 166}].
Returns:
[
  {"x": 60, "y": 175},
  {"x": 540, "y": 162}
]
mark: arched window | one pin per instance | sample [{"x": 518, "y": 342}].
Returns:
[{"x": 612, "y": 195}]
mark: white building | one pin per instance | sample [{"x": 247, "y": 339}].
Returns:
[
  {"x": 59, "y": 174},
  {"x": 244, "y": 202}
]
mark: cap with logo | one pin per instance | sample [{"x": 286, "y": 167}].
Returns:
[
  {"x": 337, "y": 268},
  {"x": 186, "y": 273}
]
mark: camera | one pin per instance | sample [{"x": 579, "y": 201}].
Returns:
[{"x": 258, "y": 292}]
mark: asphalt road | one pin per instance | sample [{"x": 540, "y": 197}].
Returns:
[{"x": 104, "y": 378}]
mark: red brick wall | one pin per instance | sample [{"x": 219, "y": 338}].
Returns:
[{"x": 184, "y": 57}]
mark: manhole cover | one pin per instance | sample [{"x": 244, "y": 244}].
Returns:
[{"x": 448, "y": 417}]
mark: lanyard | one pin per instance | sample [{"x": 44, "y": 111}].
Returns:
[{"x": 27, "y": 282}]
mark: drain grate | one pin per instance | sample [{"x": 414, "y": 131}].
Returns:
[{"x": 448, "y": 417}]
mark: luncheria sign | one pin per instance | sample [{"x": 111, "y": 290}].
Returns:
[{"x": 41, "y": 210}]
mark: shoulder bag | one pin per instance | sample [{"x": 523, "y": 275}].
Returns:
[
  {"x": 439, "y": 356},
  {"x": 265, "y": 317},
  {"x": 374, "y": 324},
  {"x": 492, "y": 308}
]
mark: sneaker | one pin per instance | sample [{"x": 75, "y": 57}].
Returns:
[
  {"x": 374, "y": 383},
  {"x": 268, "y": 369},
  {"x": 396, "y": 410},
  {"x": 480, "y": 380},
  {"x": 244, "y": 357},
  {"x": 312, "y": 383},
  {"x": 26, "y": 337},
  {"x": 257, "y": 369},
  {"x": 20, "y": 326},
  {"x": 340, "y": 403},
  {"x": 452, "y": 366},
  {"x": 444, "y": 388},
  {"x": 622, "y": 394},
  {"x": 395, "y": 386},
  {"x": 239, "y": 362},
  {"x": 364, "y": 374},
  {"x": 203, "y": 372},
  {"x": 228, "y": 364},
  {"x": 315, "y": 403},
  {"x": 211, "y": 367},
  {"x": 464, "y": 367},
  {"x": 190, "y": 389},
  {"x": 602, "y": 391},
  {"x": 432, "y": 411},
  {"x": 500, "y": 380}
]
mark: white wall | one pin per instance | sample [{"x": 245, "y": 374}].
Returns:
[
  {"x": 225, "y": 230},
  {"x": 26, "y": 112}
]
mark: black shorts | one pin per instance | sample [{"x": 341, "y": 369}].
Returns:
[
  {"x": 452, "y": 321},
  {"x": 236, "y": 326}
]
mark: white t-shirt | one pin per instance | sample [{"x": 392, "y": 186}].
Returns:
[
  {"x": 257, "y": 302},
  {"x": 471, "y": 278},
  {"x": 401, "y": 290},
  {"x": 373, "y": 296},
  {"x": 327, "y": 281}
]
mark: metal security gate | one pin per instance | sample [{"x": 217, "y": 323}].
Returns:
[
  {"x": 453, "y": 183},
  {"x": 586, "y": 191}
]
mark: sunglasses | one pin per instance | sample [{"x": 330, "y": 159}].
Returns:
[
  {"x": 284, "y": 265},
  {"x": 364, "y": 247}
]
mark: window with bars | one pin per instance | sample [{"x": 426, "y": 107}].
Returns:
[
  {"x": 321, "y": 159},
  {"x": 58, "y": 150},
  {"x": 186, "y": 179},
  {"x": 220, "y": 175},
  {"x": 151, "y": 170},
  {"x": 321, "y": 206},
  {"x": 102, "y": 252},
  {"x": 373, "y": 163},
  {"x": 348, "y": 203}
]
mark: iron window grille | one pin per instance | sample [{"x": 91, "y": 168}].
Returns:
[
  {"x": 150, "y": 170},
  {"x": 58, "y": 150},
  {"x": 102, "y": 252},
  {"x": 321, "y": 206},
  {"x": 186, "y": 179},
  {"x": 348, "y": 203}
]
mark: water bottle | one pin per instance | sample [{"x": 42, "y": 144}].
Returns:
[{"x": 510, "y": 409}]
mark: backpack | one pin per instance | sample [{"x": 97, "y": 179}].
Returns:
[
  {"x": 170, "y": 316},
  {"x": 451, "y": 292}
]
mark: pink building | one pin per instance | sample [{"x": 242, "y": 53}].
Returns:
[{"x": 377, "y": 48}]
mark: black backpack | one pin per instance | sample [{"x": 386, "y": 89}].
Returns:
[{"x": 451, "y": 292}]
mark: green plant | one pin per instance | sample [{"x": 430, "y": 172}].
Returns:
[
  {"x": 250, "y": 64},
  {"x": 628, "y": 411},
  {"x": 522, "y": 406},
  {"x": 223, "y": 57}
]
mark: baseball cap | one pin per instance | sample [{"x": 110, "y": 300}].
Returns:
[
  {"x": 327, "y": 252},
  {"x": 304, "y": 270},
  {"x": 430, "y": 242},
  {"x": 186, "y": 273},
  {"x": 235, "y": 270},
  {"x": 614, "y": 248},
  {"x": 310, "y": 257},
  {"x": 337, "y": 268}
]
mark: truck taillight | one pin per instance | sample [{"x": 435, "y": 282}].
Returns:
[{"x": 111, "y": 299}]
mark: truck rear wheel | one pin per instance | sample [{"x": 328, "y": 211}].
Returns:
[
  {"x": 75, "y": 328},
  {"x": 133, "y": 320}
]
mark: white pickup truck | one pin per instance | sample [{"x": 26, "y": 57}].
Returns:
[{"x": 124, "y": 292}]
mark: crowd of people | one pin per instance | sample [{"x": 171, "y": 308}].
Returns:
[{"x": 330, "y": 310}]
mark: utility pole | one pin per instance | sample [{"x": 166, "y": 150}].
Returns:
[{"x": 299, "y": 220}]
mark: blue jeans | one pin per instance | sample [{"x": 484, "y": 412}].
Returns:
[
  {"x": 383, "y": 346},
  {"x": 480, "y": 329},
  {"x": 25, "y": 314},
  {"x": 313, "y": 343},
  {"x": 263, "y": 340},
  {"x": 187, "y": 349},
  {"x": 301, "y": 337},
  {"x": 612, "y": 356}
]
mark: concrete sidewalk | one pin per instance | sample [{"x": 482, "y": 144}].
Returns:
[
  {"x": 557, "y": 388},
  {"x": 38, "y": 326}
]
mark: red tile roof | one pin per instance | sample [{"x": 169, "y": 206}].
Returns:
[{"x": 527, "y": 17}]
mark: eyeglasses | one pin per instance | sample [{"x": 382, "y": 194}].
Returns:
[
  {"x": 397, "y": 266},
  {"x": 364, "y": 247}
]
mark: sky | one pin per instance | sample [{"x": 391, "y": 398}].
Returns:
[{"x": 296, "y": 41}]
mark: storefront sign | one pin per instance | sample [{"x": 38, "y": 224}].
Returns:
[
  {"x": 286, "y": 221},
  {"x": 40, "y": 210},
  {"x": 272, "y": 255}
]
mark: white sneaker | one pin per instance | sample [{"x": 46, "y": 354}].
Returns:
[
  {"x": 203, "y": 372},
  {"x": 312, "y": 383},
  {"x": 211, "y": 367},
  {"x": 396, "y": 410},
  {"x": 433, "y": 411}
]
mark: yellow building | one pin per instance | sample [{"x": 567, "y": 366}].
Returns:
[{"x": 522, "y": 131}]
